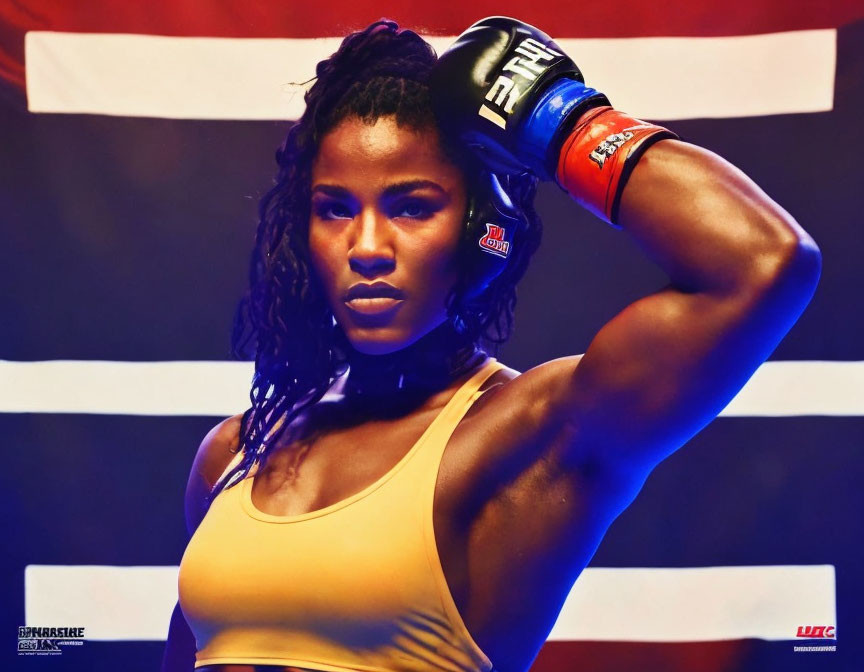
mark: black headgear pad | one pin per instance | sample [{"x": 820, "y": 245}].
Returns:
[{"x": 493, "y": 229}]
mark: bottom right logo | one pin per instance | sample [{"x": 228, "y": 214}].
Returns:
[{"x": 816, "y": 632}]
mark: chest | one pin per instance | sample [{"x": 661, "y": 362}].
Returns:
[
  {"x": 323, "y": 469},
  {"x": 538, "y": 527},
  {"x": 331, "y": 464}
]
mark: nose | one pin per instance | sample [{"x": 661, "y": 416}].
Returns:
[{"x": 372, "y": 253}]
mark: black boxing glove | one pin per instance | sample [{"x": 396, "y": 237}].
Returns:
[{"x": 509, "y": 92}]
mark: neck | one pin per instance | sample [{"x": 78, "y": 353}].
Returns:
[{"x": 426, "y": 366}]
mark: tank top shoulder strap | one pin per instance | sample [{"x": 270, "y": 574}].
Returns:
[
  {"x": 235, "y": 460},
  {"x": 231, "y": 464},
  {"x": 490, "y": 368},
  {"x": 459, "y": 405},
  {"x": 463, "y": 398},
  {"x": 422, "y": 498}
]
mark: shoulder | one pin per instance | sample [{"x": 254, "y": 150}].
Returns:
[
  {"x": 215, "y": 452},
  {"x": 218, "y": 448},
  {"x": 529, "y": 392}
]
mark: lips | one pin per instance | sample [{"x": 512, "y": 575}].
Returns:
[
  {"x": 375, "y": 302},
  {"x": 376, "y": 290}
]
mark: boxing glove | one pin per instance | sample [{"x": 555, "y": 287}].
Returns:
[
  {"x": 508, "y": 91},
  {"x": 511, "y": 94}
]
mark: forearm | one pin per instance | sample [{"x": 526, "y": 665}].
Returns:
[{"x": 706, "y": 224}]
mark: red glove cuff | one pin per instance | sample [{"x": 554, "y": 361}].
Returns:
[{"x": 598, "y": 156}]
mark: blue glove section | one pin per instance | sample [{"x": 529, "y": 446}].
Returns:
[{"x": 540, "y": 128}]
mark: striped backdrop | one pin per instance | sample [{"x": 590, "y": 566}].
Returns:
[{"x": 135, "y": 141}]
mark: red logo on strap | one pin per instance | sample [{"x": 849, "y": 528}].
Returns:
[{"x": 493, "y": 241}]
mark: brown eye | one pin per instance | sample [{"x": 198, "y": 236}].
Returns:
[
  {"x": 332, "y": 210},
  {"x": 415, "y": 209}
]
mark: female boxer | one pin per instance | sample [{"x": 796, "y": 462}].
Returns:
[{"x": 395, "y": 498}]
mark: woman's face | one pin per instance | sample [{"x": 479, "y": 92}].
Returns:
[{"x": 388, "y": 210}]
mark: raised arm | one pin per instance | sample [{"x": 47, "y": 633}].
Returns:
[
  {"x": 741, "y": 272},
  {"x": 741, "y": 269}
]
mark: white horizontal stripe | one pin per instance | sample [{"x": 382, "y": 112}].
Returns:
[
  {"x": 635, "y": 604},
  {"x": 661, "y": 78},
  {"x": 697, "y": 604},
  {"x": 802, "y": 388},
  {"x": 222, "y": 388},
  {"x": 125, "y": 388},
  {"x": 686, "y": 78},
  {"x": 111, "y": 603}
]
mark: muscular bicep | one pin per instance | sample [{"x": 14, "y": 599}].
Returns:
[
  {"x": 666, "y": 365},
  {"x": 661, "y": 369},
  {"x": 741, "y": 272}
]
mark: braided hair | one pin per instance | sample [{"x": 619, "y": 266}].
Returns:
[{"x": 284, "y": 320}]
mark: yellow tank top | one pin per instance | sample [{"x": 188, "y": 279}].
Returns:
[{"x": 357, "y": 585}]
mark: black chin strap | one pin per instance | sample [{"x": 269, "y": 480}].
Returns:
[{"x": 424, "y": 367}]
